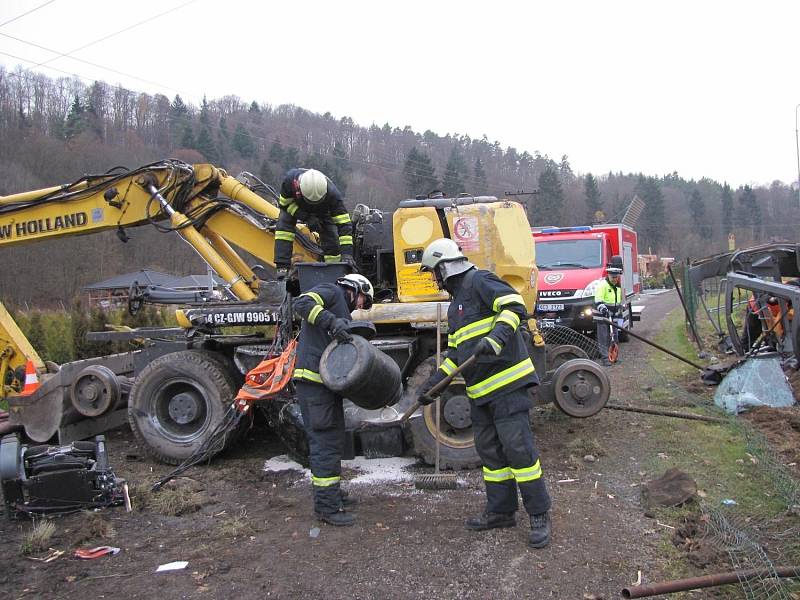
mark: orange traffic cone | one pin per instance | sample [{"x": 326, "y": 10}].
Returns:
[{"x": 31, "y": 380}]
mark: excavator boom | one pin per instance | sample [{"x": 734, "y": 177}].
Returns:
[{"x": 207, "y": 207}]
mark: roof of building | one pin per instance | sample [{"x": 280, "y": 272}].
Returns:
[{"x": 147, "y": 277}]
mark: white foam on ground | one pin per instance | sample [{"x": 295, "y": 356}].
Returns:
[
  {"x": 282, "y": 463},
  {"x": 370, "y": 470},
  {"x": 380, "y": 470}
]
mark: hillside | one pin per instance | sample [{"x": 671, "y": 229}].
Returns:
[{"x": 55, "y": 130}]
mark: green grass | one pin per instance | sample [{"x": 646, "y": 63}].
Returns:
[
  {"x": 708, "y": 452},
  {"x": 714, "y": 455},
  {"x": 38, "y": 538},
  {"x": 673, "y": 337}
]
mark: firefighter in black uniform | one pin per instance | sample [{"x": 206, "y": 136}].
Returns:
[
  {"x": 307, "y": 195},
  {"x": 484, "y": 319},
  {"x": 325, "y": 311}
]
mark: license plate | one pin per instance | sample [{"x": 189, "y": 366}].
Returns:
[
  {"x": 549, "y": 307},
  {"x": 545, "y": 323}
]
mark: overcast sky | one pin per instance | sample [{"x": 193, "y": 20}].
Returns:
[{"x": 705, "y": 88}]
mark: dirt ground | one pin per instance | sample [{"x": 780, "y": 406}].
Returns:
[
  {"x": 248, "y": 534},
  {"x": 781, "y": 428}
]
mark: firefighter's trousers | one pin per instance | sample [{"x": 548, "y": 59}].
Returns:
[
  {"x": 504, "y": 441},
  {"x": 323, "y": 418}
]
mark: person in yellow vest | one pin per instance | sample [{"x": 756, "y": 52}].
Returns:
[{"x": 609, "y": 298}]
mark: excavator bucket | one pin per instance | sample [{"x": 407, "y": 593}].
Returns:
[{"x": 41, "y": 412}]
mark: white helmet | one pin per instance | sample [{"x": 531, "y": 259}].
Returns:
[
  {"x": 444, "y": 259},
  {"x": 359, "y": 284},
  {"x": 313, "y": 185}
]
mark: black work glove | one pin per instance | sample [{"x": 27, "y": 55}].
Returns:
[
  {"x": 424, "y": 399},
  {"x": 339, "y": 330},
  {"x": 281, "y": 274},
  {"x": 603, "y": 310},
  {"x": 486, "y": 347}
]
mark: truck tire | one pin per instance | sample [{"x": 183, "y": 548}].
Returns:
[
  {"x": 177, "y": 401},
  {"x": 236, "y": 381},
  {"x": 457, "y": 450}
]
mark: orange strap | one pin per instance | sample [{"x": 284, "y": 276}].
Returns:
[{"x": 268, "y": 378}]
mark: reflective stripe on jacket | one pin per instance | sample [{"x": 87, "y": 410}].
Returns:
[
  {"x": 610, "y": 295},
  {"x": 317, "y": 308},
  {"x": 486, "y": 306},
  {"x": 295, "y": 207}
]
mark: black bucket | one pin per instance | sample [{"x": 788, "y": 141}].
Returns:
[{"x": 361, "y": 373}]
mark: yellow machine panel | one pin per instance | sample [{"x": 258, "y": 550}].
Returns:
[
  {"x": 494, "y": 235},
  {"x": 497, "y": 236},
  {"x": 414, "y": 229}
]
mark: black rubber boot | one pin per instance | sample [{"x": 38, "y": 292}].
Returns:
[
  {"x": 339, "y": 518},
  {"x": 490, "y": 520},
  {"x": 540, "y": 531}
]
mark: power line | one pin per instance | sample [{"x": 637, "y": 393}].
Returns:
[
  {"x": 91, "y": 64},
  {"x": 4, "y": 23},
  {"x": 116, "y": 33}
]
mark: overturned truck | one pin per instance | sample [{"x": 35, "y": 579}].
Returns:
[{"x": 756, "y": 298}]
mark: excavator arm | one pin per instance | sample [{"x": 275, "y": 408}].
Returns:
[
  {"x": 212, "y": 211},
  {"x": 208, "y": 208}
]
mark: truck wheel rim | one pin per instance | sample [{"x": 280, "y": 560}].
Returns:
[
  {"x": 456, "y": 429},
  {"x": 180, "y": 410},
  {"x": 581, "y": 388}
]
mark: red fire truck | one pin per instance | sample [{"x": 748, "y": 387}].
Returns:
[{"x": 572, "y": 261}]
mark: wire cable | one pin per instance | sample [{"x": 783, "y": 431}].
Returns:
[
  {"x": 87, "y": 62},
  {"x": 116, "y": 33},
  {"x": 4, "y": 23}
]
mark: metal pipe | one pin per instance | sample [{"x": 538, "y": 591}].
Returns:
[
  {"x": 666, "y": 413},
  {"x": 438, "y": 404},
  {"x": 694, "y": 583},
  {"x": 646, "y": 341},
  {"x": 685, "y": 310},
  {"x": 204, "y": 248}
]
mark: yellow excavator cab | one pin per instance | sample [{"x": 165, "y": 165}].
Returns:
[{"x": 495, "y": 235}]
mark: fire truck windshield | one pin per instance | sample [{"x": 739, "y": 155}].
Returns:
[{"x": 568, "y": 254}]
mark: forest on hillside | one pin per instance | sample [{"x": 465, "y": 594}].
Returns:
[{"x": 56, "y": 130}]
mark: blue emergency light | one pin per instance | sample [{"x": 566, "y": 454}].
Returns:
[{"x": 566, "y": 229}]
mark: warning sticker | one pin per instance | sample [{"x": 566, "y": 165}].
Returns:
[{"x": 466, "y": 233}]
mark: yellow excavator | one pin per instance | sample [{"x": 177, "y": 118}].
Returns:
[{"x": 176, "y": 390}]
